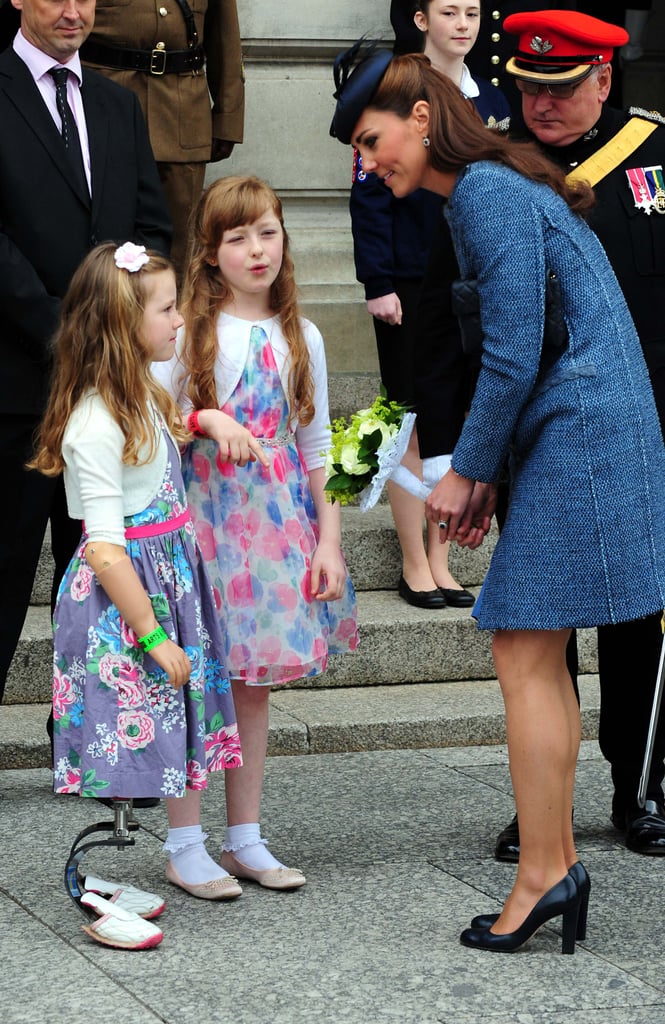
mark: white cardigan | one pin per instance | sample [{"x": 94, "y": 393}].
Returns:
[
  {"x": 100, "y": 488},
  {"x": 233, "y": 347}
]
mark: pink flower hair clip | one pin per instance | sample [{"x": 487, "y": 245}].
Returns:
[{"x": 130, "y": 257}]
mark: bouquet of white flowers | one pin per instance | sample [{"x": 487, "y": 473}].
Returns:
[{"x": 366, "y": 452}]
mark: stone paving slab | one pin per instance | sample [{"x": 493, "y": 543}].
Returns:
[
  {"x": 37, "y": 959},
  {"x": 397, "y": 850}
]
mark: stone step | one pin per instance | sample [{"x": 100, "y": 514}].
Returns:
[
  {"x": 326, "y": 721},
  {"x": 398, "y": 645},
  {"x": 370, "y": 547},
  {"x": 373, "y": 555},
  {"x": 348, "y": 392}
]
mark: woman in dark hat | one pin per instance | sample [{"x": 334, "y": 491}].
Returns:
[{"x": 568, "y": 406}]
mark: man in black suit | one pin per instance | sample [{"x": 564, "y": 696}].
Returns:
[{"x": 56, "y": 203}]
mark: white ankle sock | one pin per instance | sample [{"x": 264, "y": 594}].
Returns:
[
  {"x": 252, "y": 851},
  {"x": 187, "y": 852}
]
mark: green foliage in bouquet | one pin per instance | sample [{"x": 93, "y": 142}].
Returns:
[{"x": 353, "y": 459}]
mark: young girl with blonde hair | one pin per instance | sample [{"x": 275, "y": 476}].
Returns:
[
  {"x": 251, "y": 373},
  {"x": 141, "y": 700}
]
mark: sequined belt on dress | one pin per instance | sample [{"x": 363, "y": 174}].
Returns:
[{"x": 279, "y": 440}]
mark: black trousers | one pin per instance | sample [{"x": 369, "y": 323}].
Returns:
[
  {"x": 395, "y": 344},
  {"x": 29, "y": 502},
  {"x": 628, "y": 656}
]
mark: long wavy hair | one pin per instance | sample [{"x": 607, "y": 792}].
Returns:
[
  {"x": 99, "y": 346},
  {"x": 230, "y": 203},
  {"x": 457, "y": 134}
]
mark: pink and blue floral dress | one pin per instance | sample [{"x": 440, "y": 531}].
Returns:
[
  {"x": 258, "y": 533},
  {"x": 120, "y": 728}
]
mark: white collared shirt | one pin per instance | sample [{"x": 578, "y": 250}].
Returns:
[
  {"x": 467, "y": 86},
  {"x": 39, "y": 64}
]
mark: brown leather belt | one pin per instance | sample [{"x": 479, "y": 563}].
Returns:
[{"x": 153, "y": 62}]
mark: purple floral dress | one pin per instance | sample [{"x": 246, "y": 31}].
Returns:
[
  {"x": 257, "y": 530},
  {"x": 120, "y": 728}
]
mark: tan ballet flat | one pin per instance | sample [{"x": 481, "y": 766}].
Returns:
[
  {"x": 269, "y": 878},
  {"x": 217, "y": 889}
]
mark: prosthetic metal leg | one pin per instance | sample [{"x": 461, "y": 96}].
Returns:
[{"x": 120, "y": 830}]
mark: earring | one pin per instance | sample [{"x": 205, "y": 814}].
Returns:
[{"x": 426, "y": 142}]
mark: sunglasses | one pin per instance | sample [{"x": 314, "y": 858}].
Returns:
[{"x": 560, "y": 91}]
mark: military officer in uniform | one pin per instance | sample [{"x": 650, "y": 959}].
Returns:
[
  {"x": 175, "y": 57},
  {"x": 564, "y": 77}
]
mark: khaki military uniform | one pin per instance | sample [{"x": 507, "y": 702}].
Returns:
[{"x": 176, "y": 103}]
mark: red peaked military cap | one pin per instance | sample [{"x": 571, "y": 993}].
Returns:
[{"x": 560, "y": 46}]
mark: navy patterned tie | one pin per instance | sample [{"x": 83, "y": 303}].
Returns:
[{"x": 70, "y": 134}]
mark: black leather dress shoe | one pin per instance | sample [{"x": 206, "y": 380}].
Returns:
[
  {"x": 644, "y": 828},
  {"x": 508, "y": 843},
  {"x": 420, "y": 598},
  {"x": 458, "y": 598}
]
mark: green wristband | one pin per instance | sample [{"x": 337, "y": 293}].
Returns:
[{"x": 150, "y": 640}]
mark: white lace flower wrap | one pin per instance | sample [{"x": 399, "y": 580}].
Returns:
[
  {"x": 390, "y": 455},
  {"x": 130, "y": 257}
]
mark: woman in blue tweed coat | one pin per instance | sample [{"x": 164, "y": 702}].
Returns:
[{"x": 584, "y": 539}]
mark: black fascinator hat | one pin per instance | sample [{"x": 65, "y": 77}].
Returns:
[{"x": 357, "y": 73}]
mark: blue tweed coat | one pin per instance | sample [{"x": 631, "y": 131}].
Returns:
[{"x": 584, "y": 539}]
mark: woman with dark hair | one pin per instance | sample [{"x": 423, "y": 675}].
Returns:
[{"x": 562, "y": 397}]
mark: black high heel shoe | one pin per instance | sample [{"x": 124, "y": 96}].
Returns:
[
  {"x": 562, "y": 900},
  {"x": 580, "y": 876}
]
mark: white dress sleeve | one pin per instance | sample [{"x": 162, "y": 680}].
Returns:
[
  {"x": 92, "y": 449},
  {"x": 314, "y": 439}
]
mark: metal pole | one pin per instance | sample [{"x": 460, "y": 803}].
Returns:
[{"x": 653, "y": 724}]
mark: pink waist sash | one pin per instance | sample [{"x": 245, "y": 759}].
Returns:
[{"x": 155, "y": 529}]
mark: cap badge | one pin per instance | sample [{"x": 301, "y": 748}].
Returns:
[{"x": 539, "y": 45}]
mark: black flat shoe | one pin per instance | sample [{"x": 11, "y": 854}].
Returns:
[
  {"x": 420, "y": 598},
  {"x": 507, "y": 848},
  {"x": 562, "y": 900},
  {"x": 458, "y": 598},
  {"x": 645, "y": 828},
  {"x": 580, "y": 876}
]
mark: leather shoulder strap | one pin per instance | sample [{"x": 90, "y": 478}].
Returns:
[
  {"x": 190, "y": 24},
  {"x": 614, "y": 152}
]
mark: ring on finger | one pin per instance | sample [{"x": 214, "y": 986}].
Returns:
[{"x": 443, "y": 524}]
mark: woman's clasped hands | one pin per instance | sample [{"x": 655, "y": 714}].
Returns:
[{"x": 462, "y": 508}]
